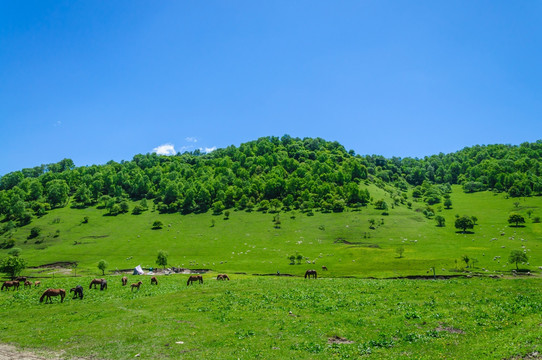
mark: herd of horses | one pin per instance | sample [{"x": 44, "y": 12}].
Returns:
[{"x": 78, "y": 290}]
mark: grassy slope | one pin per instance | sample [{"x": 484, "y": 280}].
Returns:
[{"x": 247, "y": 242}]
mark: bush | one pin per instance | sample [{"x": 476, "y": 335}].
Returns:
[
  {"x": 157, "y": 225},
  {"x": 34, "y": 232},
  {"x": 7, "y": 244}
]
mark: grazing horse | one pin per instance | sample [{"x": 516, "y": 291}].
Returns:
[
  {"x": 193, "y": 278},
  {"x": 154, "y": 280},
  {"x": 324, "y": 268},
  {"x": 37, "y": 283},
  {"x": 136, "y": 285},
  {"x": 27, "y": 284},
  {"x": 77, "y": 291},
  {"x": 7, "y": 284},
  {"x": 95, "y": 282},
  {"x": 310, "y": 273},
  {"x": 222, "y": 277},
  {"x": 103, "y": 285},
  {"x": 124, "y": 281},
  {"x": 53, "y": 292},
  {"x": 21, "y": 278}
]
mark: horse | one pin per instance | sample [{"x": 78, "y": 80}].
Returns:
[
  {"x": 37, "y": 283},
  {"x": 222, "y": 277},
  {"x": 7, "y": 284},
  {"x": 103, "y": 285},
  {"x": 124, "y": 281},
  {"x": 324, "y": 268},
  {"x": 310, "y": 273},
  {"x": 154, "y": 280},
  {"x": 95, "y": 282},
  {"x": 21, "y": 278},
  {"x": 77, "y": 291},
  {"x": 136, "y": 285},
  {"x": 193, "y": 278},
  {"x": 27, "y": 284},
  {"x": 53, "y": 292}
]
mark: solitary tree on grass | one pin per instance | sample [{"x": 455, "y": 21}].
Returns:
[
  {"x": 12, "y": 265},
  {"x": 464, "y": 222},
  {"x": 102, "y": 265},
  {"x": 161, "y": 259},
  {"x": 517, "y": 256},
  {"x": 441, "y": 221},
  {"x": 516, "y": 219}
]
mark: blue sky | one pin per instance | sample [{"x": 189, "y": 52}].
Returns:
[{"x": 96, "y": 81}]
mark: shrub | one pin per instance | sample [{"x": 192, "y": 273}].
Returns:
[{"x": 157, "y": 225}]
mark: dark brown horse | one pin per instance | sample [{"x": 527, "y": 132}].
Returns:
[
  {"x": 103, "y": 285},
  {"x": 310, "y": 273},
  {"x": 124, "y": 281},
  {"x": 193, "y": 278},
  {"x": 136, "y": 285},
  {"x": 222, "y": 277},
  {"x": 96, "y": 282},
  {"x": 53, "y": 292},
  {"x": 7, "y": 284},
  {"x": 154, "y": 280},
  {"x": 324, "y": 268},
  {"x": 77, "y": 292},
  {"x": 21, "y": 278},
  {"x": 27, "y": 284}
]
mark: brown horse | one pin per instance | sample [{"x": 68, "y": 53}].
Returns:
[
  {"x": 37, "y": 283},
  {"x": 96, "y": 282},
  {"x": 324, "y": 268},
  {"x": 53, "y": 292},
  {"x": 193, "y": 278},
  {"x": 7, "y": 284},
  {"x": 136, "y": 285},
  {"x": 21, "y": 278},
  {"x": 124, "y": 281},
  {"x": 222, "y": 277},
  {"x": 27, "y": 284},
  {"x": 310, "y": 273},
  {"x": 154, "y": 280}
]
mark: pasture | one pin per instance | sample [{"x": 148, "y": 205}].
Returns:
[
  {"x": 251, "y": 243},
  {"x": 277, "y": 318}
]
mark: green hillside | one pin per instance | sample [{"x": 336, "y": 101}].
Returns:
[{"x": 250, "y": 242}]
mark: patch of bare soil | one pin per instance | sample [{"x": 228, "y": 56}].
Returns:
[
  {"x": 532, "y": 356},
  {"x": 58, "y": 264},
  {"x": 9, "y": 352},
  {"x": 449, "y": 329},
  {"x": 338, "y": 340}
]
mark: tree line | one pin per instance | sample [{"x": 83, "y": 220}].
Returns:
[{"x": 270, "y": 173}]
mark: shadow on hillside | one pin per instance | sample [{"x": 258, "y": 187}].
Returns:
[{"x": 464, "y": 232}]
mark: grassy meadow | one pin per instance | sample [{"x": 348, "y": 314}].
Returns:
[
  {"x": 276, "y": 318},
  {"x": 250, "y": 243},
  {"x": 343, "y": 314}
]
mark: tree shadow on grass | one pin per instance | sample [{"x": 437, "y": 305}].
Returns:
[{"x": 464, "y": 232}]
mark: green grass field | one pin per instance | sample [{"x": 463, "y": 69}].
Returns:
[
  {"x": 276, "y": 318},
  {"x": 249, "y": 243},
  {"x": 335, "y": 316}
]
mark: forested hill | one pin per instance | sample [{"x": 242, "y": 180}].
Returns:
[{"x": 274, "y": 173}]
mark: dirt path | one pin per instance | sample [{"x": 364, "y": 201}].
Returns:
[{"x": 10, "y": 352}]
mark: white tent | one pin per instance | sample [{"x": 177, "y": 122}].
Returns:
[{"x": 138, "y": 270}]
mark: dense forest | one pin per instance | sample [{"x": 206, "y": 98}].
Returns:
[{"x": 271, "y": 173}]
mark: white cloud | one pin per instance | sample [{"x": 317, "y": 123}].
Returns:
[
  {"x": 208, "y": 150},
  {"x": 57, "y": 123},
  {"x": 166, "y": 149},
  {"x": 190, "y": 139}
]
